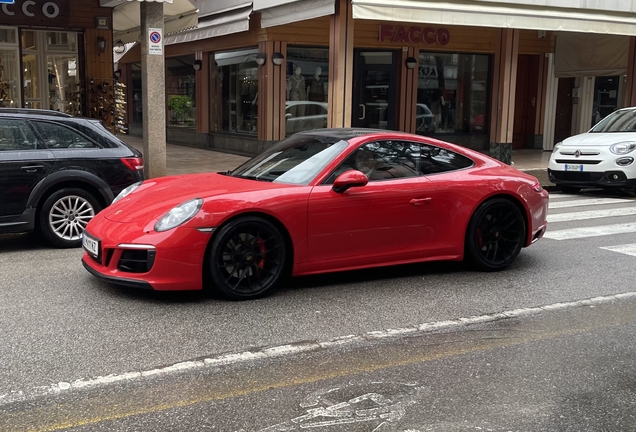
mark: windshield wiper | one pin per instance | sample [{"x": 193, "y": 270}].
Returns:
[{"x": 249, "y": 177}]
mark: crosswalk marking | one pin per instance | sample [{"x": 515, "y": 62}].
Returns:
[
  {"x": 591, "y": 214},
  {"x": 561, "y": 196},
  {"x": 596, "y": 231},
  {"x": 587, "y": 202},
  {"x": 627, "y": 249}
]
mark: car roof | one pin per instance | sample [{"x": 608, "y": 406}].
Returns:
[
  {"x": 32, "y": 111},
  {"x": 349, "y": 133}
]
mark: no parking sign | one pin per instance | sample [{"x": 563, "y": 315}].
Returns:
[{"x": 155, "y": 41}]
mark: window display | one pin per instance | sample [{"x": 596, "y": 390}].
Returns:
[
  {"x": 452, "y": 94},
  {"x": 181, "y": 91},
  {"x": 237, "y": 77},
  {"x": 306, "y": 89},
  {"x": 9, "y": 78}
]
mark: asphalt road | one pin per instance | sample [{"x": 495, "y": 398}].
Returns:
[{"x": 59, "y": 324}]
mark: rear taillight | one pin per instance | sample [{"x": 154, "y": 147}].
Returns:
[
  {"x": 537, "y": 187},
  {"x": 133, "y": 163}
]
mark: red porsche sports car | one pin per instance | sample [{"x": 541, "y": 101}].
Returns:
[{"x": 319, "y": 201}]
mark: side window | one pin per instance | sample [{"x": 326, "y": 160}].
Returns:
[
  {"x": 382, "y": 160},
  {"x": 16, "y": 135},
  {"x": 435, "y": 160},
  {"x": 56, "y": 136}
]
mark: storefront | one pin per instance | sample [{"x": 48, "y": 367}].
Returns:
[
  {"x": 265, "y": 71},
  {"x": 57, "y": 55}
]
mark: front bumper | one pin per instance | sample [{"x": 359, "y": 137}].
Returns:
[
  {"x": 606, "y": 179},
  {"x": 174, "y": 263}
]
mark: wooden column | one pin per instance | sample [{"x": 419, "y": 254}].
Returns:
[
  {"x": 203, "y": 92},
  {"x": 630, "y": 85},
  {"x": 503, "y": 101},
  {"x": 407, "y": 96},
  {"x": 271, "y": 93},
  {"x": 340, "y": 65}
]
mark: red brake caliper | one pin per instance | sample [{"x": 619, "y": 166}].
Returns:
[
  {"x": 262, "y": 249},
  {"x": 480, "y": 242}
]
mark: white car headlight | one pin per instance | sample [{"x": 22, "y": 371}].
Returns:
[
  {"x": 556, "y": 147},
  {"x": 623, "y": 148},
  {"x": 126, "y": 191},
  {"x": 178, "y": 215}
]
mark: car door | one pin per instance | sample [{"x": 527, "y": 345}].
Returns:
[
  {"x": 386, "y": 220},
  {"x": 23, "y": 164}
]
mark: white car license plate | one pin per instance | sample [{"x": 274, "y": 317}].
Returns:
[
  {"x": 90, "y": 245},
  {"x": 569, "y": 167}
]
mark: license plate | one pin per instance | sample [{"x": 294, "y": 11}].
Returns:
[
  {"x": 90, "y": 245},
  {"x": 573, "y": 167}
]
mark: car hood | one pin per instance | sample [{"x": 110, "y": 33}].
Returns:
[
  {"x": 600, "y": 139},
  {"x": 155, "y": 197}
]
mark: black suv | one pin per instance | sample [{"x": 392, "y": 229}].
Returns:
[{"x": 58, "y": 171}]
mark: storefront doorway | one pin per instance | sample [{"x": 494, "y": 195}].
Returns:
[
  {"x": 374, "y": 90},
  {"x": 526, "y": 102}
]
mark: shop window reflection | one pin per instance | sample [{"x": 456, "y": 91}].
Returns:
[
  {"x": 181, "y": 91},
  {"x": 9, "y": 78},
  {"x": 237, "y": 85},
  {"x": 306, "y": 89},
  {"x": 452, "y": 94}
]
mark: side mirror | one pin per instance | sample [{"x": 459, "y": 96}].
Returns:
[{"x": 349, "y": 179}]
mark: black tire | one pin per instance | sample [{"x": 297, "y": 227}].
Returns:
[
  {"x": 570, "y": 189},
  {"x": 70, "y": 208},
  {"x": 496, "y": 233},
  {"x": 247, "y": 258}
]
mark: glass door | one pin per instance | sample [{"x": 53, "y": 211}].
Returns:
[
  {"x": 374, "y": 89},
  {"x": 9, "y": 68}
]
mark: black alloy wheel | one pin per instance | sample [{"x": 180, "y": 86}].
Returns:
[
  {"x": 247, "y": 258},
  {"x": 496, "y": 233}
]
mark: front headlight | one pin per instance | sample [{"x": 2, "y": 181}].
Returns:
[
  {"x": 556, "y": 147},
  {"x": 179, "y": 215},
  {"x": 623, "y": 148},
  {"x": 126, "y": 191}
]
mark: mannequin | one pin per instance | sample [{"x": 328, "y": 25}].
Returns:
[
  {"x": 296, "y": 91},
  {"x": 316, "y": 87}
]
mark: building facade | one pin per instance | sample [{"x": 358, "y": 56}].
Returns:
[{"x": 57, "y": 55}]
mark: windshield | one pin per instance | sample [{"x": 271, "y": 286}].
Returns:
[
  {"x": 619, "y": 121},
  {"x": 295, "y": 160}
]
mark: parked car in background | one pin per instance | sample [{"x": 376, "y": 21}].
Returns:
[
  {"x": 304, "y": 115},
  {"x": 602, "y": 157},
  {"x": 58, "y": 171},
  {"x": 319, "y": 201}
]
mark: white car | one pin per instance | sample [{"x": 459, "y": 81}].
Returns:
[{"x": 602, "y": 157}]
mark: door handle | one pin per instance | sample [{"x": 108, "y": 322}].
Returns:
[
  {"x": 32, "y": 168},
  {"x": 420, "y": 201},
  {"x": 364, "y": 112}
]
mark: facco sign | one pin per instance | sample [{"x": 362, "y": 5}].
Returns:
[
  {"x": 416, "y": 35},
  {"x": 31, "y": 8}
]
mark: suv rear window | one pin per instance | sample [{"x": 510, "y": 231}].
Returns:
[{"x": 57, "y": 136}]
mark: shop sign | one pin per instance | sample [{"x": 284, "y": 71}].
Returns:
[
  {"x": 416, "y": 35},
  {"x": 35, "y": 13}
]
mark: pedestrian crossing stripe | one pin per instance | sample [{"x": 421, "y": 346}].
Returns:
[
  {"x": 588, "y": 202},
  {"x": 595, "y": 231},
  {"x": 591, "y": 214},
  {"x": 561, "y": 196},
  {"x": 627, "y": 249}
]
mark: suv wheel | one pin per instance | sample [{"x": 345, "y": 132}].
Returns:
[{"x": 64, "y": 216}]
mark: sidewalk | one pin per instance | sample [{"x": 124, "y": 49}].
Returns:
[{"x": 182, "y": 159}]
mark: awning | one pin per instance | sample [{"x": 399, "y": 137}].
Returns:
[
  {"x": 579, "y": 55},
  {"x": 509, "y": 15},
  {"x": 178, "y": 16},
  {"x": 289, "y": 12},
  {"x": 234, "y": 19}
]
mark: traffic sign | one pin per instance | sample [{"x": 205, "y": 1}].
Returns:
[{"x": 155, "y": 41}]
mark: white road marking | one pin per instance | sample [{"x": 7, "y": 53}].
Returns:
[
  {"x": 591, "y": 214},
  {"x": 595, "y": 231},
  {"x": 627, "y": 249},
  {"x": 13, "y": 396},
  {"x": 588, "y": 202},
  {"x": 561, "y": 196}
]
